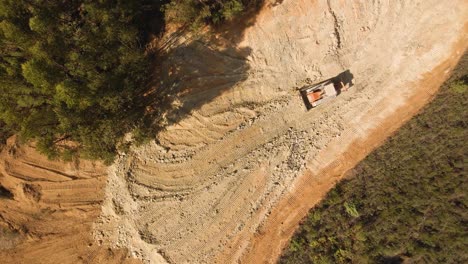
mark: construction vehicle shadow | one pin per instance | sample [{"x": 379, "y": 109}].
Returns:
[{"x": 345, "y": 79}]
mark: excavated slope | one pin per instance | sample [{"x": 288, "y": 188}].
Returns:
[
  {"x": 240, "y": 140},
  {"x": 47, "y": 209},
  {"x": 241, "y": 159}
]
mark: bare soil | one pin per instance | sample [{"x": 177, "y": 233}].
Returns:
[
  {"x": 241, "y": 160},
  {"x": 48, "y": 213},
  {"x": 268, "y": 244}
]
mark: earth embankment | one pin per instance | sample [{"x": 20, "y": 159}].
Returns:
[{"x": 240, "y": 141}]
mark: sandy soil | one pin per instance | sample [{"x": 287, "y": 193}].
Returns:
[
  {"x": 50, "y": 216},
  {"x": 241, "y": 159},
  {"x": 313, "y": 185}
]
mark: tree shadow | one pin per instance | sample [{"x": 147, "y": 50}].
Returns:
[
  {"x": 196, "y": 72},
  {"x": 151, "y": 19}
]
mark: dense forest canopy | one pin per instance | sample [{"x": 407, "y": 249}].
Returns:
[{"x": 73, "y": 72}]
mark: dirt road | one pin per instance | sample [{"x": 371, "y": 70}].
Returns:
[{"x": 216, "y": 184}]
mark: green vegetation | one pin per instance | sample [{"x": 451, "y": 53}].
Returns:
[
  {"x": 406, "y": 201},
  {"x": 197, "y": 13},
  {"x": 74, "y": 73},
  {"x": 71, "y": 70}
]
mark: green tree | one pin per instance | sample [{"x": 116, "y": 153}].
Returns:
[
  {"x": 73, "y": 73},
  {"x": 198, "y": 13},
  {"x": 69, "y": 69}
]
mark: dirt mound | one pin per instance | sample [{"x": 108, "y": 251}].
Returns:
[
  {"x": 47, "y": 209},
  {"x": 240, "y": 140}
]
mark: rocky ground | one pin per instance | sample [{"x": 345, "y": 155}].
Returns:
[
  {"x": 241, "y": 160},
  {"x": 240, "y": 140}
]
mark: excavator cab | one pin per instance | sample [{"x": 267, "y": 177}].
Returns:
[{"x": 317, "y": 94}]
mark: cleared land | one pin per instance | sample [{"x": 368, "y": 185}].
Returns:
[
  {"x": 213, "y": 186},
  {"x": 406, "y": 201},
  {"x": 47, "y": 209},
  {"x": 228, "y": 178}
]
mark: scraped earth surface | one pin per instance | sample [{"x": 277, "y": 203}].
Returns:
[
  {"x": 47, "y": 209},
  {"x": 240, "y": 140},
  {"x": 241, "y": 160}
]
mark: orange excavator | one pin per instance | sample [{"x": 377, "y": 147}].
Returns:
[{"x": 317, "y": 94}]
